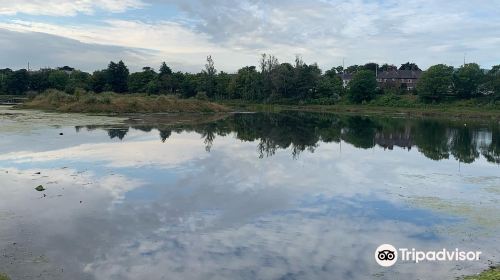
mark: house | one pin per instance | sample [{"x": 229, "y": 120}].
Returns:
[
  {"x": 346, "y": 78},
  {"x": 406, "y": 79}
]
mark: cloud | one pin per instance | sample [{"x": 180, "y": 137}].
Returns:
[
  {"x": 326, "y": 31},
  {"x": 46, "y": 50},
  {"x": 236, "y": 32},
  {"x": 137, "y": 43},
  {"x": 66, "y": 8}
]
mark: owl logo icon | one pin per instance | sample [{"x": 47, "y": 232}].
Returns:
[{"x": 386, "y": 255}]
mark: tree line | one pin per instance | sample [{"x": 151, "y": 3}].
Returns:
[{"x": 272, "y": 81}]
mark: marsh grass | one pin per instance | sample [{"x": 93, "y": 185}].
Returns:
[{"x": 54, "y": 100}]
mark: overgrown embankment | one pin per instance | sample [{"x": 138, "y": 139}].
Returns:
[{"x": 111, "y": 103}]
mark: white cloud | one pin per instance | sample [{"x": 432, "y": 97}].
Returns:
[
  {"x": 235, "y": 33},
  {"x": 156, "y": 42},
  {"x": 65, "y": 8}
]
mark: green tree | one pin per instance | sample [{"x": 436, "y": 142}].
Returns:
[
  {"x": 58, "y": 79},
  {"x": 388, "y": 67},
  {"x": 362, "y": 87},
  {"x": 409, "y": 66},
  {"x": 98, "y": 81},
  {"x": 4, "y": 74},
  {"x": 246, "y": 84},
  {"x": 165, "y": 70},
  {"x": 165, "y": 79},
  {"x": 330, "y": 87},
  {"x": 78, "y": 79},
  {"x": 17, "y": 82},
  {"x": 117, "y": 77},
  {"x": 143, "y": 81},
  {"x": 268, "y": 66},
  {"x": 374, "y": 67},
  {"x": 353, "y": 69},
  {"x": 209, "y": 77},
  {"x": 222, "y": 81},
  {"x": 190, "y": 84},
  {"x": 492, "y": 82},
  {"x": 436, "y": 82},
  {"x": 39, "y": 80},
  {"x": 305, "y": 80},
  {"x": 467, "y": 79},
  {"x": 282, "y": 81}
]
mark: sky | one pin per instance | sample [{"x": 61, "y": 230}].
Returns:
[{"x": 87, "y": 34}]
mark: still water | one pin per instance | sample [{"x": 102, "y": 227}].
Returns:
[{"x": 244, "y": 196}]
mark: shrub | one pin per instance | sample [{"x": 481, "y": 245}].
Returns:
[
  {"x": 201, "y": 95},
  {"x": 362, "y": 87}
]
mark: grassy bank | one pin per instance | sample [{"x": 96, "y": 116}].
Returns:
[
  {"x": 4, "y": 277},
  {"x": 385, "y": 105},
  {"x": 111, "y": 103},
  {"x": 491, "y": 274}
]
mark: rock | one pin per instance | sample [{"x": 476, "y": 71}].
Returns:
[{"x": 40, "y": 188}]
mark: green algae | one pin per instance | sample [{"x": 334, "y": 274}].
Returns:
[
  {"x": 481, "y": 214},
  {"x": 491, "y": 274}
]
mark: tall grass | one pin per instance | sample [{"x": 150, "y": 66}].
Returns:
[{"x": 118, "y": 103}]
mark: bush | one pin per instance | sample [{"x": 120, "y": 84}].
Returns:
[
  {"x": 201, "y": 96},
  {"x": 362, "y": 87},
  {"x": 55, "y": 96}
]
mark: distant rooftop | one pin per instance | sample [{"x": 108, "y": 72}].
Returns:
[{"x": 400, "y": 74}]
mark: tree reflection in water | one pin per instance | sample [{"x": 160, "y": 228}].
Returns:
[{"x": 436, "y": 139}]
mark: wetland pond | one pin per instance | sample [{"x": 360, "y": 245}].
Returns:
[{"x": 244, "y": 196}]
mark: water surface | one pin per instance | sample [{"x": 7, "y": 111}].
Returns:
[{"x": 243, "y": 196}]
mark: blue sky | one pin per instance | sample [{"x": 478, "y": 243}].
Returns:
[{"x": 88, "y": 34}]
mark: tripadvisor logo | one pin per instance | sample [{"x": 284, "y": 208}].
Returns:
[{"x": 387, "y": 255}]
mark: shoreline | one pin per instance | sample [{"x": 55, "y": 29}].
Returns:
[
  {"x": 115, "y": 104},
  {"x": 431, "y": 111}
]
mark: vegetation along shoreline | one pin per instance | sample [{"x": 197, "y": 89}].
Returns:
[{"x": 370, "y": 88}]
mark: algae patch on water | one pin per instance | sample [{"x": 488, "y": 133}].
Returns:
[
  {"x": 491, "y": 274},
  {"x": 4, "y": 277},
  {"x": 485, "y": 215},
  {"x": 18, "y": 121}
]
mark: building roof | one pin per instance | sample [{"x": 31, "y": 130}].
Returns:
[
  {"x": 346, "y": 76},
  {"x": 400, "y": 74}
]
